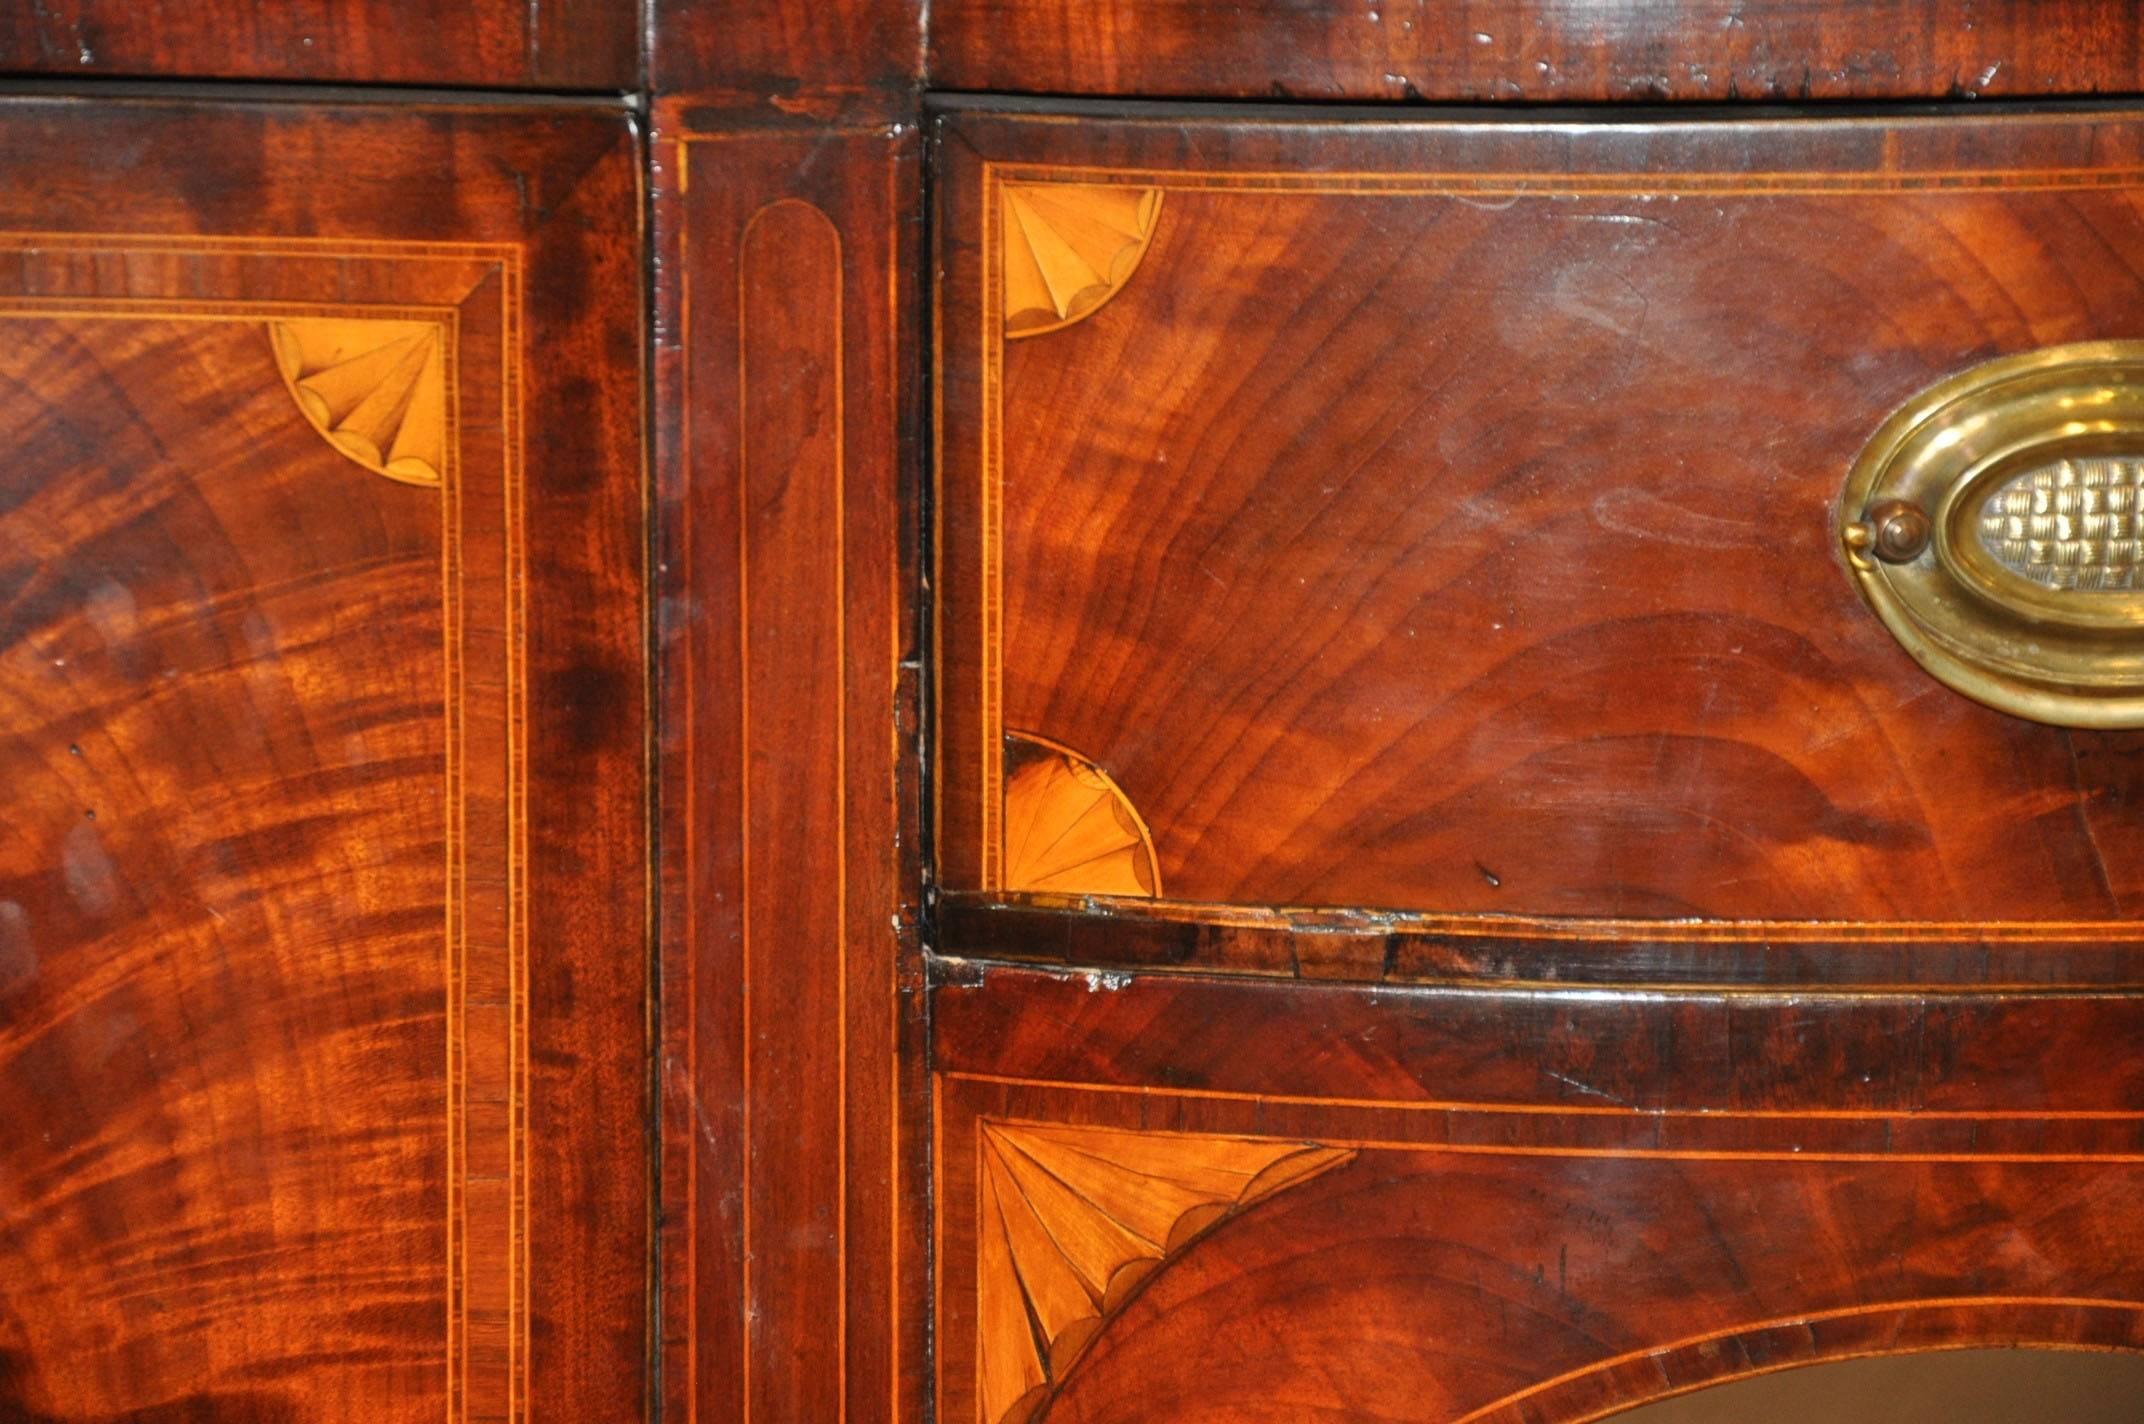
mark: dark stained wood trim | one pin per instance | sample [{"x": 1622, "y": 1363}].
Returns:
[
  {"x": 1394, "y": 948},
  {"x": 591, "y": 882},
  {"x": 1539, "y": 51},
  {"x": 777, "y": 61},
  {"x": 495, "y": 44}
]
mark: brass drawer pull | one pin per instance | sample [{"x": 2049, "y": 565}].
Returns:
[{"x": 1993, "y": 523}]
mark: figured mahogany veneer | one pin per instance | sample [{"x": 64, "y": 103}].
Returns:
[
  {"x": 1438, "y": 516},
  {"x": 1394, "y": 554},
  {"x": 322, "y": 996},
  {"x": 780, "y": 59}
]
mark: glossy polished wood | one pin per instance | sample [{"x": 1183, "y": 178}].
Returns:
[
  {"x": 1917, "y": 1061},
  {"x": 505, "y": 44},
  {"x": 337, "y": 1080},
  {"x": 322, "y": 954},
  {"x": 1541, "y": 50},
  {"x": 1547, "y": 1206},
  {"x": 1438, "y": 516},
  {"x": 794, "y": 1135}
]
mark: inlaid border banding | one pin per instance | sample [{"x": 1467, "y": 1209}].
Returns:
[{"x": 459, "y": 272}]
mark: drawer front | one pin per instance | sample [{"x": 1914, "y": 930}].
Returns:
[
  {"x": 1443, "y": 517},
  {"x": 1186, "y": 1198}
]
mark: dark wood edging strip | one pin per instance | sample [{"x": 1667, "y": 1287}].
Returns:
[{"x": 1365, "y": 946}]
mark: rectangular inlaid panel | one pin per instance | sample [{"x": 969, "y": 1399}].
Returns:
[
  {"x": 223, "y": 820},
  {"x": 1207, "y": 1201},
  {"x": 281, "y": 928},
  {"x": 1438, "y": 517}
]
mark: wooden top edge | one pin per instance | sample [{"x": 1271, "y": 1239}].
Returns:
[
  {"x": 953, "y": 103},
  {"x": 1532, "y": 51}
]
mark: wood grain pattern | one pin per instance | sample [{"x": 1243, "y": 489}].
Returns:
[
  {"x": 1903, "y": 1067},
  {"x": 504, "y": 44},
  {"x": 793, "y": 1144},
  {"x": 793, "y": 885},
  {"x": 1439, "y": 519},
  {"x": 160, "y": 881},
  {"x": 757, "y": 61},
  {"x": 1562, "y": 1241},
  {"x": 297, "y": 1091},
  {"x": 1540, "y": 50}
]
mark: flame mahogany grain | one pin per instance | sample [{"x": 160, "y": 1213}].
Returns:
[
  {"x": 323, "y": 983},
  {"x": 302, "y": 1125}
]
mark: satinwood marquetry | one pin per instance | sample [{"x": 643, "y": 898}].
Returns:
[{"x": 375, "y": 390}]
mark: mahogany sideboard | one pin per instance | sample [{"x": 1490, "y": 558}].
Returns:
[{"x": 1080, "y": 710}]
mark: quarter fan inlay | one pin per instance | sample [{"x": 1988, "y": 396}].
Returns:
[
  {"x": 375, "y": 390},
  {"x": 1074, "y": 1218},
  {"x": 1069, "y": 828},
  {"x": 1069, "y": 247}
]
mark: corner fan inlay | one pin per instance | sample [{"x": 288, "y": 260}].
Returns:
[
  {"x": 1069, "y": 828},
  {"x": 1069, "y": 247},
  {"x": 375, "y": 390},
  {"x": 1992, "y": 524},
  {"x": 1075, "y": 1218}
]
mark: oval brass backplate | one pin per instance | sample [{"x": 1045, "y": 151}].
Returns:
[{"x": 1993, "y": 524}]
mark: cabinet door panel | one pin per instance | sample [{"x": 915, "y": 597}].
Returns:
[{"x": 321, "y": 948}]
